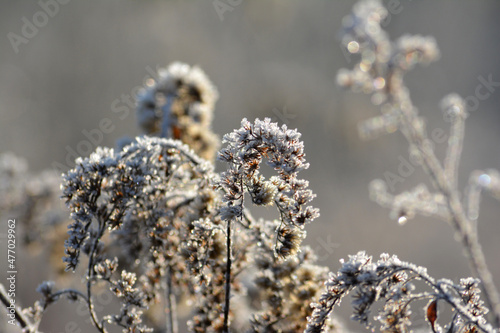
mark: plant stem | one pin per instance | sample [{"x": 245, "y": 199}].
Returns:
[
  {"x": 228, "y": 278},
  {"x": 19, "y": 316},
  {"x": 90, "y": 276},
  {"x": 171, "y": 309},
  {"x": 448, "y": 188}
]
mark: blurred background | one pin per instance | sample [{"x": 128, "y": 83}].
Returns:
[{"x": 275, "y": 59}]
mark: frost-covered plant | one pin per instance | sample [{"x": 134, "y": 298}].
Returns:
[
  {"x": 153, "y": 224},
  {"x": 380, "y": 72},
  {"x": 393, "y": 282},
  {"x": 147, "y": 196},
  {"x": 246, "y": 148}
]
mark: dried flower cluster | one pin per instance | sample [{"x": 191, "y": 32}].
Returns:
[
  {"x": 148, "y": 223},
  {"x": 33, "y": 200},
  {"x": 179, "y": 105},
  {"x": 246, "y": 148},
  {"x": 148, "y": 219},
  {"x": 274, "y": 292},
  {"x": 147, "y": 196},
  {"x": 155, "y": 226},
  {"x": 284, "y": 289},
  {"x": 393, "y": 282}
]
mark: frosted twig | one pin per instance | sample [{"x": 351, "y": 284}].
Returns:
[{"x": 380, "y": 72}]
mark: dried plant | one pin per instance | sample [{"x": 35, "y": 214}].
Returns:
[
  {"x": 179, "y": 105},
  {"x": 380, "y": 73},
  {"x": 393, "y": 282},
  {"x": 154, "y": 225}
]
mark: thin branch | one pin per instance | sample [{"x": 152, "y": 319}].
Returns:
[
  {"x": 455, "y": 145},
  {"x": 171, "y": 304},
  {"x": 454, "y": 108},
  {"x": 72, "y": 292},
  {"x": 228, "y": 278},
  {"x": 459, "y": 220},
  {"x": 90, "y": 274},
  {"x": 23, "y": 321}
]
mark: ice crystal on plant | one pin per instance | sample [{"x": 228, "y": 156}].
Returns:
[
  {"x": 157, "y": 226},
  {"x": 391, "y": 281}
]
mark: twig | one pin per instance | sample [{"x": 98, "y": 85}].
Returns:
[
  {"x": 228, "y": 278},
  {"x": 447, "y": 186},
  {"x": 455, "y": 145},
  {"x": 24, "y": 322},
  {"x": 171, "y": 304},
  {"x": 90, "y": 274}
]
